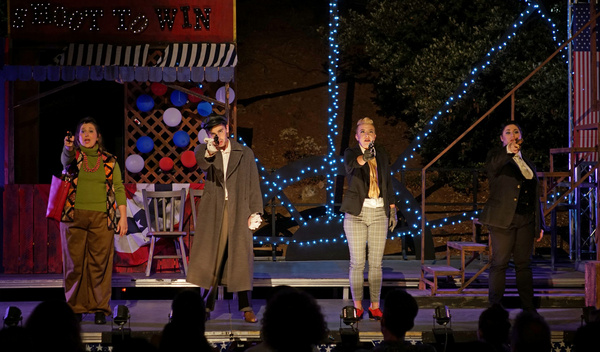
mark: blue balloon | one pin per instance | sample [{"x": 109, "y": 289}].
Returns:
[
  {"x": 178, "y": 98},
  {"x": 204, "y": 108},
  {"x": 145, "y": 103},
  {"x": 145, "y": 144},
  {"x": 181, "y": 139}
]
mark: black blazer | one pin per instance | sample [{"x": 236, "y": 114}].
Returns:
[
  {"x": 358, "y": 180},
  {"x": 505, "y": 181}
]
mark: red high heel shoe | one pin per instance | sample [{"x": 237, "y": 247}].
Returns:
[
  {"x": 375, "y": 314},
  {"x": 359, "y": 313}
]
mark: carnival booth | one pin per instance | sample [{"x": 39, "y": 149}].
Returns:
[{"x": 175, "y": 63}]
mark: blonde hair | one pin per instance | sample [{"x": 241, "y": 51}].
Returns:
[{"x": 365, "y": 121}]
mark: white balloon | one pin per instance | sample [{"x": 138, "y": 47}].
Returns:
[
  {"x": 201, "y": 135},
  {"x": 172, "y": 117},
  {"x": 134, "y": 163},
  {"x": 220, "y": 95}
]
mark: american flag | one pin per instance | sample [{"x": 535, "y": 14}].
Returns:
[{"x": 583, "y": 116}]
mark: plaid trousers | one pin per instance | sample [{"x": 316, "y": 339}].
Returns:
[{"x": 368, "y": 228}]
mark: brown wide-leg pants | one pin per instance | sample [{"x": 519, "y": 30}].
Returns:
[{"x": 88, "y": 250}]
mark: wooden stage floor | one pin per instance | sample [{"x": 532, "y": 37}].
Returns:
[{"x": 559, "y": 295}]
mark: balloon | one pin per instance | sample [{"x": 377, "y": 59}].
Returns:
[
  {"x": 178, "y": 98},
  {"x": 204, "y": 108},
  {"x": 202, "y": 135},
  {"x": 166, "y": 164},
  {"x": 172, "y": 117},
  {"x": 181, "y": 139},
  {"x": 145, "y": 103},
  {"x": 220, "y": 95},
  {"x": 188, "y": 159},
  {"x": 145, "y": 144},
  {"x": 134, "y": 163},
  {"x": 158, "y": 88},
  {"x": 192, "y": 98}
]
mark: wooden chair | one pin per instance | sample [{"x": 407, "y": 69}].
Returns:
[
  {"x": 164, "y": 210},
  {"x": 195, "y": 195}
]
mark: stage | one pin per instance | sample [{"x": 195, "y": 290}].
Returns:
[{"x": 559, "y": 296}]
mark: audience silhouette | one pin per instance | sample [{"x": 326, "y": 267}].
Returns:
[
  {"x": 399, "y": 312},
  {"x": 292, "y": 322},
  {"x": 54, "y": 328},
  {"x": 186, "y": 328},
  {"x": 530, "y": 333}
]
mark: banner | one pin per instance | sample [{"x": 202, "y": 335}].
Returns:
[{"x": 122, "y": 21}]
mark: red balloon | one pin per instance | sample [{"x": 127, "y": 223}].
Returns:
[
  {"x": 158, "y": 88},
  {"x": 188, "y": 159},
  {"x": 194, "y": 99},
  {"x": 166, "y": 164}
]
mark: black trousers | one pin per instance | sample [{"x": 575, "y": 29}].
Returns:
[{"x": 517, "y": 240}]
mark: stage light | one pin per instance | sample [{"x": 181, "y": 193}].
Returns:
[
  {"x": 12, "y": 316},
  {"x": 121, "y": 315},
  {"x": 442, "y": 315},
  {"x": 349, "y": 316}
]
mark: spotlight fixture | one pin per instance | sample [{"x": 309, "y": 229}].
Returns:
[
  {"x": 442, "y": 315},
  {"x": 121, "y": 315},
  {"x": 349, "y": 316},
  {"x": 12, "y": 316}
]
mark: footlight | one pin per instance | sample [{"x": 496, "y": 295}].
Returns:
[
  {"x": 12, "y": 316},
  {"x": 349, "y": 336}
]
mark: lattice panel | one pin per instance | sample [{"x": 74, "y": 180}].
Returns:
[{"x": 151, "y": 124}]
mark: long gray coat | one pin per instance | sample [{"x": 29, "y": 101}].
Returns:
[{"x": 244, "y": 199}]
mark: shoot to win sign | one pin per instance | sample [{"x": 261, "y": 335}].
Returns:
[{"x": 122, "y": 21}]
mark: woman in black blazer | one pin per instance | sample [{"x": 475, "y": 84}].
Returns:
[
  {"x": 513, "y": 215},
  {"x": 370, "y": 209}
]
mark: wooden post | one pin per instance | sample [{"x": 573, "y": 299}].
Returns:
[{"x": 592, "y": 288}]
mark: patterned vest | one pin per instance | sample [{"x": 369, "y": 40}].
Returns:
[{"x": 73, "y": 172}]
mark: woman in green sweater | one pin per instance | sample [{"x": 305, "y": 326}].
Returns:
[{"x": 89, "y": 221}]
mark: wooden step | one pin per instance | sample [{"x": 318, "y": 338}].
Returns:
[
  {"x": 467, "y": 246},
  {"x": 440, "y": 270}
]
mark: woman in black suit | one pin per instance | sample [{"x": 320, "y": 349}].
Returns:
[
  {"x": 513, "y": 215},
  {"x": 370, "y": 209}
]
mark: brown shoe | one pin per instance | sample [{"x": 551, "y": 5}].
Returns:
[{"x": 249, "y": 317}]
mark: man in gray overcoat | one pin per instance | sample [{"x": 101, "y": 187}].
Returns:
[{"x": 222, "y": 252}]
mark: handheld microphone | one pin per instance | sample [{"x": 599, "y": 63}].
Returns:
[
  {"x": 69, "y": 134},
  {"x": 216, "y": 140},
  {"x": 372, "y": 148}
]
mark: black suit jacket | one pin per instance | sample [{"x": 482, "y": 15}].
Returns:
[
  {"x": 358, "y": 180},
  {"x": 505, "y": 181}
]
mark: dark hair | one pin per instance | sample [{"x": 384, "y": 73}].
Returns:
[
  {"x": 92, "y": 121},
  {"x": 494, "y": 325},
  {"x": 399, "y": 312},
  {"x": 213, "y": 121},
  {"x": 293, "y": 321},
  {"x": 55, "y": 327},
  {"x": 531, "y": 333},
  {"x": 508, "y": 123},
  {"x": 188, "y": 308}
]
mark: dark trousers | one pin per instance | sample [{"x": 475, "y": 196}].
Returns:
[
  {"x": 220, "y": 269},
  {"x": 517, "y": 240}
]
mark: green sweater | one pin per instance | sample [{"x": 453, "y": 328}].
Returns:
[{"x": 91, "y": 186}]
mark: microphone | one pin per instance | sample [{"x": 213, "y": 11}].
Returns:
[
  {"x": 372, "y": 148},
  {"x": 216, "y": 140}
]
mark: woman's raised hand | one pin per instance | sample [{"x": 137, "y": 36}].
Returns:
[{"x": 69, "y": 139}]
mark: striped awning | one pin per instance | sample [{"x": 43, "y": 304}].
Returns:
[
  {"x": 195, "y": 62},
  {"x": 199, "y": 55},
  {"x": 103, "y": 55}
]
